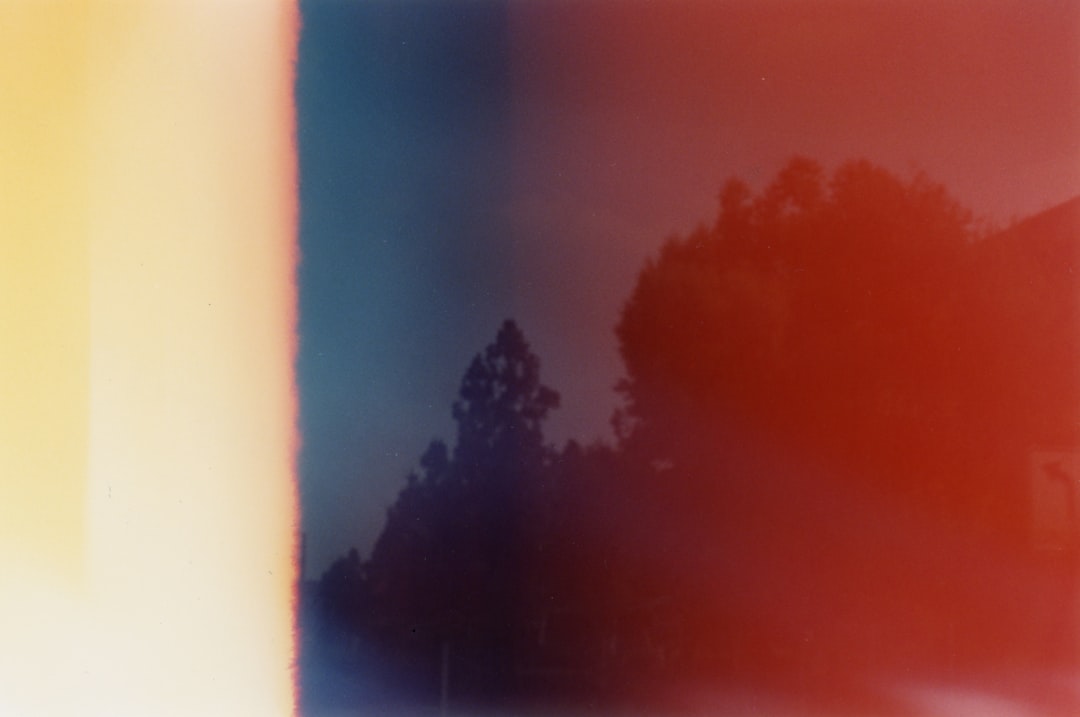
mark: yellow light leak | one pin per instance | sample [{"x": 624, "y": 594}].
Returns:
[{"x": 147, "y": 337}]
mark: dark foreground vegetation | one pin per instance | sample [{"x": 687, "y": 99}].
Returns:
[{"x": 844, "y": 411}]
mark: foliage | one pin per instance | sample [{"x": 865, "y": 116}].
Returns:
[
  {"x": 822, "y": 308},
  {"x": 843, "y": 365},
  {"x": 828, "y": 394},
  {"x": 447, "y": 567}
]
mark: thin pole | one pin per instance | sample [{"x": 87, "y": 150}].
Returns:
[{"x": 444, "y": 692}]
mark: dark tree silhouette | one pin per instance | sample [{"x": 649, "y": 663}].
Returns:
[
  {"x": 826, "y": 381},
  {"x": 501, "y": 408},
  {"x": 448, "y": 570},
  {"x": 819, "y": 302},
  {"x": 830, "y": 397},
  {"x": 788, "y": 368},
  {"x": 344, "y": 596}
]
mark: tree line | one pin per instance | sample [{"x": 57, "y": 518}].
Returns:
[{"x": 831, "y": 394}]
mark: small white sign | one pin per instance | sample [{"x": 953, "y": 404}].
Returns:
[{"x": 1055, "y": 493}]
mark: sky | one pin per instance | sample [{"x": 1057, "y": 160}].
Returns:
[{"x": 461, "y": 163}]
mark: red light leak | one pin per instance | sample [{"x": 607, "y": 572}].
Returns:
[{"x": 845, "y": 480}]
